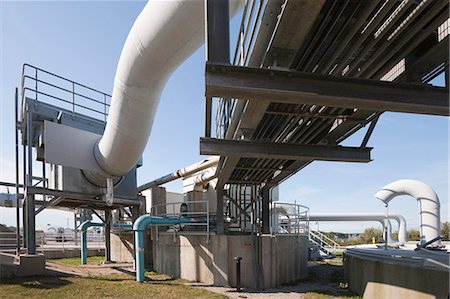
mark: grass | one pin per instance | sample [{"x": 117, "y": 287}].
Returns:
[
  {"x": 76, "y": 261},
  {"x": 105, "y": 286}
]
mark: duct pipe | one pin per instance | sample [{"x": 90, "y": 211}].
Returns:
[
  {"x": 164, "y": 35},
  {"x": 402, "y": 236},
  {"x": 183, "y": 172},
  {"x": 205, "y": 177},
  {"x": 430, "y": 226},
  {"x": 139, "y": 227},
  {"x": 83, "y": 228}
]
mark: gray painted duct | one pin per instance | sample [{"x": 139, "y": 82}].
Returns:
[
  {"x": 164, "y": 35},
  {"x": 430, "y": 225}
]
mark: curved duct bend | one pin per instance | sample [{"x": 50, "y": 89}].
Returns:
[
  {"x": 430, "y": 226},
  {"x": 164, "y": 35}
]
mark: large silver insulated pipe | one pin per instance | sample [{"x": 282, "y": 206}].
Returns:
[
  {"x": 164, "y": 35},
  {"x": 430, "y": 225}
]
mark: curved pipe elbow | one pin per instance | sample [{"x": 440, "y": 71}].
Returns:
[
  {"x": 164, "y": 35},
  {"x": 429, "y": 204},
  {"x": 88, "y": 223}
]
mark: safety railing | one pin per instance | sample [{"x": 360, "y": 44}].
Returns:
[
  {"x": 198, "y": 211},
  {"x": 47, "y": 87},
  {"x": 70, "y": 240},
  {"x": 249, "y": 27},
  {"x": 325, "y": 244},
  {"x": 8, "y": 241},
  {"x": 289, "y": 218}
]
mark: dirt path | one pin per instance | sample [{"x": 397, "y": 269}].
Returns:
[{"x": 88, "y": 270}]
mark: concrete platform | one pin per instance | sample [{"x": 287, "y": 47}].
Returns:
[
  {"x": 21, "y": 266},
  {"x": 397, "y": 273}
]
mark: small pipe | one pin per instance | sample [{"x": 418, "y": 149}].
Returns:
[
  {"x": 83, "y": 228},
  {"x": 238, "y": 273},
  {"x": 139, "y": 227}
]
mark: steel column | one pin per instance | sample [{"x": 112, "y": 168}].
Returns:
[
  {"x": 108, "y": 235},
  {"x": 220, "y": 230},
  {"x": 16, "y": 130},
  {"x": 217, "y": 35},
  {"x": 265, "y": 192},
  {"x": 31, "y": 219}
]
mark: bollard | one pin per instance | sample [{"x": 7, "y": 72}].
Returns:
[{"x": 238, "y": 272}]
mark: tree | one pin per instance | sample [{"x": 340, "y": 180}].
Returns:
[
  {"x": 445, "y": 227},
  {"x": 369, "y": 233},
  {"x": 395, "y": 236},
  {"x": 413, "y": 235}
]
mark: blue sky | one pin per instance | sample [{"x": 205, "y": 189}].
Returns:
[{"x": 83, "y": 41}]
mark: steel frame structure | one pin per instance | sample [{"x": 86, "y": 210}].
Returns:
[
  {"x": 40, "y": 100},
  {"x": 316, "y": 85}
]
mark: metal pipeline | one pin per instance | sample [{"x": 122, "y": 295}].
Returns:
[
  {"x": 83, "y": 227},
  {"x": 430, "y": 225},
  {"x": 402, "y": 235},
  {"x": 139, "y": 227},
  {"x": 164, "y": 35},
  {"x": 183, "y": 172}
]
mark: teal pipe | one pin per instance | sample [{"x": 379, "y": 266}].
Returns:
[
  {"x": 123, "y": 225},
  {"x": 139, "y": 227},
  {"x": 83, "y": 228}
]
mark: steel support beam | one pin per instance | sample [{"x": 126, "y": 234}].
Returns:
[
  {"x": 283, "y": 151},
  {"x": 31, "y": 218},
  {"x": 265, "y": 192},
  {"x": 52, "y": 202},
  {"x": 108, "y": 223},
  {"x": 305, "y": 88}
]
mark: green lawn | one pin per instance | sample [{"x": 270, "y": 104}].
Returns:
[
  {"x": 105, "y": 286},
  {"x": 76, "y": 261}
]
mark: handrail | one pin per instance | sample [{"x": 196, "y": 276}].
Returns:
[
  {"x": 30, "y": 85},
  {"x": 198, "y": 215},
  {"x": 333, "y": 244},
  {"x": 294, "y": 219}
]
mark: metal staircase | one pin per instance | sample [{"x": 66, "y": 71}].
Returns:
[{"x": 326, "y": 246}]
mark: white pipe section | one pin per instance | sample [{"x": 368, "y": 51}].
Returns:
[
  {"x": 205, "y": 177},
  {"x": 164, "y": 35},
  {"x": 183, "y": 172},
  {"x": 282, "y": 208},
  {"x": 402, "y": 235},
  {"x": 430, "y": 226}
]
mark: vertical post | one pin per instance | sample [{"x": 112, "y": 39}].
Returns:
[
  {"x": 16, "y": 130},
  {"x": 217, "y": 42},
  {"x": 208, "y": 113},
  {"x": 386, "y": 227},
  {"x": 108, "y": 235},
  {"x": 238, "y": 272},
  {"x": 84, "y": 247},
  {"x": 217, "y": 35},
  {"x": 220, "y": 230},
  {"x": 265, "y": 210},
  {"x": 31, "y": 231}
]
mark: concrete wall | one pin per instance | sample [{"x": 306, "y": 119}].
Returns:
[
  {"x": 284, "y": 259},
  {"x": 68, "y": 253},
  {"x": 122, "y": 248},
  {"x": 380, "y": 279}
]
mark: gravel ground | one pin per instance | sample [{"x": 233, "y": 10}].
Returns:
[{"x": 325, "y": 278}]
